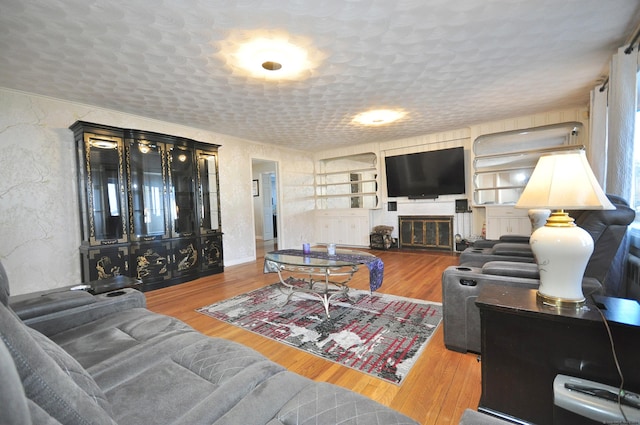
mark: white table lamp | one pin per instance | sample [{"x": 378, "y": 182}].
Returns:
[{"x": 562, "y": 250}]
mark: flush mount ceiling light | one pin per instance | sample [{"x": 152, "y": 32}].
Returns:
[
  {"x": 379, "y": 117},
  {"x": 269, "y": 55},
  {"x": 271, "y": 58}
]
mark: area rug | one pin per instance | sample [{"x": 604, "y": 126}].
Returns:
[{"x": 378, "y": 334}]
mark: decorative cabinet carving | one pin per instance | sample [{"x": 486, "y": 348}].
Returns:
[
  {"x": 105, "y": 262},
  {"x": 151, "y": 262},
  {"x": 150, "y": 205},
  {"x": 211, "y": 252}
]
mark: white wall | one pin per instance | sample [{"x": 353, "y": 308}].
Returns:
[
  {"x": 39, "y": 223},
  {"x": 445, "y": 205},
  {"x": 39, "y": 219}
]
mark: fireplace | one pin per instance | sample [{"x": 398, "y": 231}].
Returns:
[{"x": 426, "y": 232}]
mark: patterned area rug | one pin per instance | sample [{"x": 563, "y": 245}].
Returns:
[{"x": 378, "y": 334}]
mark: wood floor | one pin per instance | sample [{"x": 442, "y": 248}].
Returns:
[{"x": 441, "y": 384}]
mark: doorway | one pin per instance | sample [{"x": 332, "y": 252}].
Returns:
[{"x": 265, "y": 204}]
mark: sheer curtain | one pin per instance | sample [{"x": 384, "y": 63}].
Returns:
[
  {"x": 612, "y": 127},
  {"x": 621, "y": 123},
  {"x": 597, "y": 150}
]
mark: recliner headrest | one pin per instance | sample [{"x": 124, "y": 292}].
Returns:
[{"x": 594, "y": 221}]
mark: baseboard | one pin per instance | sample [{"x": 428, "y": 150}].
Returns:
[{"x": 239, "y": 261}]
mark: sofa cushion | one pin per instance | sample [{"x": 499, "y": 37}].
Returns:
[
  {"x": 197, "y": 384},
  {"x": 511, "y": 268},
  {"x": 15, "y": 409},
  {"x": 156, "y": 369},
  {"x": 49, "y": 303},
  {"x": 46, "y": 381},
  {"x": 264, "y": 401},
  {"x": 71, "y": 367},
  {"x": 514, "y": 249},
  {"x": 114, "y": 338},
  {"x": 327, "y": 404}
]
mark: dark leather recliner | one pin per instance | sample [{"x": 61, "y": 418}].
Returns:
[
  {"x": 606, "y": 227},
  {"x": 461, "y": 284}
]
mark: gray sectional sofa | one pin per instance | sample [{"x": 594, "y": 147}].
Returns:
[{"x": 77, "y": 358}]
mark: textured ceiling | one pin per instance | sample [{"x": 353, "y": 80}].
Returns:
[{"x": 447, "y": 63}]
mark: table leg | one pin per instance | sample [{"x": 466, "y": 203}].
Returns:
[{"x": 325, "y": 293}]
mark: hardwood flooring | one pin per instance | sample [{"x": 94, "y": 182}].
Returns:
[{"x": 441, "y": 384}]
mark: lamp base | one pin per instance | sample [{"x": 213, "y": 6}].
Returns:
[
  {"x": 559, "y": 302},
  {"x": 561, "y": 250}
]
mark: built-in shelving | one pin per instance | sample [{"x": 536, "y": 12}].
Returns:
[
  {"x": 349, "y": 181},
  {"x": 504, "y": 161}
]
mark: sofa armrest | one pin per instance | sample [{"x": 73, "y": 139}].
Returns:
[
  {"x": 513, "y": 249},
  {"x": 490, "y": 243},
  {"x": 511, "y": 268},
  {"x": 105, "y": 304},
  {"x": 461, "y": 286},
  {"x": 524, "y": 239},
  {"x": 485, "y": 243},
  {"x": 32, "y": 305},
  {"x": 477, "y": 257}
]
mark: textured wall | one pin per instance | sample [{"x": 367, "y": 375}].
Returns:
[{"x": 39, "y": 222}]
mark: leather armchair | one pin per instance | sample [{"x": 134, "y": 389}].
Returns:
[{"x": 462, "y": 284}]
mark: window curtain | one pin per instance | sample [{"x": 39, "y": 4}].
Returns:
[
  {"x": 612, "y": 128},
  {"x": 597, "y": 150},
  {"x": 621, "y": 123}
]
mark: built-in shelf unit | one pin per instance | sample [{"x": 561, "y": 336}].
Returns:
[{"x": 347, "y": 182}]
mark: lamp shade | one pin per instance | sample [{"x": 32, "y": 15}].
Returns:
[{"x": 564, "y": 181}]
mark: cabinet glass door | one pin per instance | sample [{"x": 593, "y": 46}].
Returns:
[
  {"x": 146, "y": 190},
  {"x": 104, "y": 172},
  {"x": 182, "y": 193},
  {"x": 208, "y": 191}
]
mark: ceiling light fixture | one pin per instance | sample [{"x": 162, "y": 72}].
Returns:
[
  {"x": 379, "y": 117},
  {"x": 272, "y": 66},
  {"x": 272, "y": 58},
  {"x": 270, "y": 55}
]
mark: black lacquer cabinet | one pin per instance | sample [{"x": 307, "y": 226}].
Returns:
[{"x": 149, "y": 205}]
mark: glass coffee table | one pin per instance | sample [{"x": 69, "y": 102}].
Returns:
[{"x": 324, "y": 276}]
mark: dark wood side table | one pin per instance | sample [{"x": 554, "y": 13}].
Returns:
[{"x": 526, "y": 344}]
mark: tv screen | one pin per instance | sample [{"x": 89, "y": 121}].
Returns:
[{"x": 426, "y": 174}]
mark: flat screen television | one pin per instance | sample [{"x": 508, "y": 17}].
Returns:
[{"x": 426, "y": 174}]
